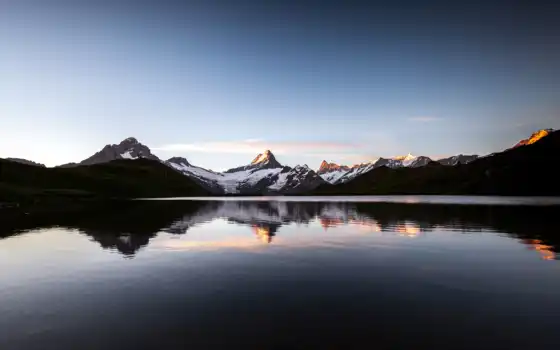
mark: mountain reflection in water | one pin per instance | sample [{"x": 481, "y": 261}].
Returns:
[
  {"x": 127, "y": 227},
  {"x": 280, "y": 274}
]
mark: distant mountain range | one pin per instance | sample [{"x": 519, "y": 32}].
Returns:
[
  {"x": 266, "y": 176},
  {"x": 524, "y": 169}
]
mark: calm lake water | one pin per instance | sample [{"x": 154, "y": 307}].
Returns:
[{"x": 304, "y": 273}]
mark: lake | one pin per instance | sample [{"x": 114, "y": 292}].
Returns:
[{"x": 284, "y": 273}]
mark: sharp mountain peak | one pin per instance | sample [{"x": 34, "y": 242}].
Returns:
[
  {"x": 409, "y": 156},
  {"x": 266, "y": 156},
  {"x": 328, "y": 167},
  {"x": 131, "y": 140}
]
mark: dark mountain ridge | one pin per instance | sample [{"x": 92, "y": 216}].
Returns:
[
  {"x": 116, "y": 179},
  {"x": 25, "y": 161}
]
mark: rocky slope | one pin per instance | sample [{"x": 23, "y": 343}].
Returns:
[{"x": 459, "y": 159}]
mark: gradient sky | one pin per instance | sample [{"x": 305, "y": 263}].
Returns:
[{"x": 219, "y": 81}]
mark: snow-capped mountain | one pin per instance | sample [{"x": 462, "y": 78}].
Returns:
[
  {"x": 264, "y": 160},
  {"x": 208, "y": 179},
  {"x": 252, "y": 178},
  {"x": 356, "y": 170},
  {"x": 264, "y": 175},
  {"x": 339, "y": 175},
  {"x": 417, "y": 162},
  {"x": 405, "y": 160},
  {"x": 129, "y": 148},
  {"x": 331, "y": 172},
  {"x": 410, "y": 161},
  {"x": 459, "y": 159},
  {"x": 298, "y": 179},
  {"x": 420, "y": 162}
]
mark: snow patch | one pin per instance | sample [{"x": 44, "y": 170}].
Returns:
[
  {"x": 407, "y": 160},
  {"x": 333, "y": 176},
  {"x": 228, "y": 181},
  {"x": 127, "y": 155},
  {"x": 280, "y": 182},
  {"x": 256, "y": 176}
]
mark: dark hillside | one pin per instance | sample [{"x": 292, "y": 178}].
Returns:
[{"x": 116, "y": 179}]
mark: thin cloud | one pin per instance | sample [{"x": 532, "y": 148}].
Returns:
[
  {"x": 424, "y": 119},
  {"x": 252, "y": 146},
  {"x": 343, "y": 158},
  {"x": 254, "y": 140}
]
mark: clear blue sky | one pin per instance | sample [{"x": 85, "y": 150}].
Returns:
[{"x": 219, "y": 81}]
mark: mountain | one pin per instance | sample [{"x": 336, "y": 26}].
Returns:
[
  {"x": 252, "y": 178},
  {"x": 516, "y": 171},
  {"x": 356, "y": 170},
  {"x": 329, "y": 167},
  {"x": 208, "y": 179},
  {"x": 337, "y": 174},
  {"x": 285, "y": 180},
  {"x": 331, "y": 172},
  {"x": 405, "y": 160},
  {"x": 264, "y": 175},
  {"x": 129, "y": 148},
  {"x": 419, "y": 162},
  {"x": 295, "y": 180},
  {"x": 408, "y": 161},
  {"x": 341, "y": 175},
  {"x": 116, "y": 179},
  {"x": 459, "y": 159},
  {"x": 536, "y": 136},
  {"x": 25, "y": 161},
  {"x": 264, "y": 160}
]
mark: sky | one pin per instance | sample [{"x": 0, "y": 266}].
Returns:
[{"x": 220, "y": 81}]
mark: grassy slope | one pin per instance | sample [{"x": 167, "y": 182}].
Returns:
[
  {"x": 120, "y": 179},
  {"x": 527, "y": 170}
]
